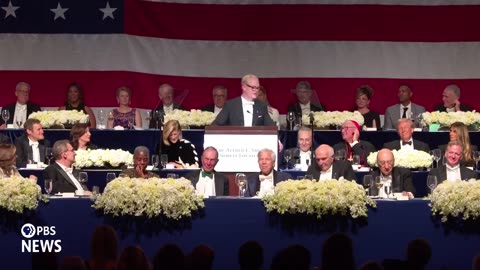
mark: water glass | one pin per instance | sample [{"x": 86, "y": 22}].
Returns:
[
  {"x": 241, "y": 181},
  {"x": 5, "y": 116},
  {"x": 83, "y": 178},
  {"x": 95, "y": 191},
  {"x": 164, "y": 160},
  {"x": 367, "y": 182},
  {"x": 432, "y": 182},
  {"x": 48, "y": 184},
  {"x": 110, "y": 177}
]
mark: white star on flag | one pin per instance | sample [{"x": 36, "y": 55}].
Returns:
[
  {"x": 107, "y": 11},
  {"x": 10, "y": 10},
  {"x": 59, "y": 12}
]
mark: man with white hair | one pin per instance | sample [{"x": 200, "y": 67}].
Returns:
[
  {"x": 326, "y": 167},
  {"x": 219, "y": 94},
  {"x": 165, "y": 93},
  {"x": 451, "y": 100},
  {"x": 20, "y": 110},
  {"x": 453, "y": 170}
]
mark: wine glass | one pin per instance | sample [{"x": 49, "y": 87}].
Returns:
[
  {"x": 287, "y": 155},
  {"x": 291, "y": 119},
  {"x": 437, "y": 155},
  {"x": 340, "y": 154},
  {"x": 5, "y": 116},
  {"x": 241, "y": 181},
  {"x": 367, "y": 182},
  {"x": 48, "y": 184},
  {"x": 101, "y": 119},
  {"x": 19, "y": 123},
  {"x": 83, "y": 178},
  {"x": 388, "y": 189},
  {"x": 148, "y": 116},
  {"x": 431, "y": 182},
  {"x": 48, "y": 154},
  {"x": 378, "y": 184},
  {"x": 164, "y": 160},
  {"x": 155, "y": 161},
  {"x": 476, "y": 158},
  {"x": 110, "y": 176}
]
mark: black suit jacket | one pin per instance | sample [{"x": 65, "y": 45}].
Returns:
[
  {"x": 297, "y": 110},
  {"x": 254, "y": 182},
  {"x": 232, "y": 114},
  {"x": 221, "y": 182},
  {"x": 339, "y": 168},
  {"x": 362, "y": 149},
  {"x": 417, "y": 145},
  {"x": 31, "y": 108},
  {"x": 401, "y": 177},
  {"x": 60, "y": 180},
  {"x": 24, "y": 150},
  {"x": 209, "y": 108},
  {"x": 159, "y": 108},
  {"x": 463, "y": 108},
  {"x": 441, "y": 173}
]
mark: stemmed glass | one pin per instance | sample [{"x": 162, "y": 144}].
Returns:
[
  {"x": 5, "y": 116},
  {"x": 241, "y": 181},
  {"x": 476, "y": 158},
  {"x": 388, "y": 189},
  {"x": 101, "y": 119},
  {"x": 83, "y": 178},
  {"x": 48, "y": 154},
  {"x": 378, "y": 184},
  {"x": 367, "y": 182},
  {"x": 19, "y": 123},
  {"x": 431, "y": 182},
  {"x": 291, "y": 119},
  {"x": 110, "y": 176},
  {"x": 155, "y": 161},
  {"x": 48, "y": 184},
  {"x": 164, "y": 160},
  {"x": 437, "y": 155},
  {"x": 287, "y": 155}
]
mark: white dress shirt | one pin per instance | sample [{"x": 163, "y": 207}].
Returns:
[
  {"x": 305, "y": 160},
  {"x": 217, "y": 110},
  {"x": 69, "y": 172},
  {"x": 247, "y": 112},
  {"x": 205, "y": 185},
  {"x": 35, "y": 150},
  {"x": 20, "y": 115},
  {"x": 453, "y": 173},
  {"x": 305, "y": 108},
  {"x": 326, "y": 175},
  {"x": 407, "y": 146},
  {"x": 409, "y": 112},
  {"x": 168, "y": 109},
  {"x": 266, "y": 184}
]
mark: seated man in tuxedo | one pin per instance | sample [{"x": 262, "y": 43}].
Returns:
[
  {"x": 451, "y": 100},
  {"x": 219, "y": 94},
  {"x": 245, "y": 110},
  {"x": 303, "y": 154},
  {"x": 399, "y": 179},
  {"x": 351, "y": 143},
  {"x": 206, "y": 181},
  {"x": 304, "y": 105},
  {"x": 165, "y": 93},
  {"x": 406, "y": 108},
  {"x": 20, "y": 110},
  {"x": 453, "y": 170},
  {"x": 61, "y": 171},
  {"x": 405, "y": 130},
  {"x": 141, "y": 157},
  {"x": 32, "y": 145},
  {"x": 265, "y": 181},
  {"x": 326, "y": 167}
]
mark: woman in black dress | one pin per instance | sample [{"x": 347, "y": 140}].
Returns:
[
  {"x": 75, "y": 102},
  {"x": 362, "y": 100},
  {"x": 180, "y": 151}
]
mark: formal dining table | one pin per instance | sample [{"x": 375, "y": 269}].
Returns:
[{"x": 226, "y": 223}]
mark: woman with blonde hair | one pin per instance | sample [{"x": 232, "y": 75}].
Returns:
[
  {"x": 8, "y": 156},
  {"x": 179, "y": 150},
  {"x": 124, "y": 116},
  {"x": 459, "y": 132}
]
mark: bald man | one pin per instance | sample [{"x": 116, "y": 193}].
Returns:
[{"x": 326, "y": 167}]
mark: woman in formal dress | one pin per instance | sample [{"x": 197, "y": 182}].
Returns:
[
  {"x": 80, "y": 137},
  {"x": 180, "y": 151},
  {"x": 124, "y": 115},
  {"x": 459, "y": 132},
  {"x": 362, "y": 100},
  {"x": 8, "y": 156},
  {"x": 75, "y": 102},
  {"x": 262, "y": 96}
]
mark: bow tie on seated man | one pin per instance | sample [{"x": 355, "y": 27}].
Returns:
[
  {"x": 264, "y": 182},
  {"x": 61, "y": 171},
  {"x": 303, "y": 153},
  {"x": 207, "y": 182},
  {"x": 32, "y": 145},
  {"x": 405, "y": 128},
  {"x": 453, "y": 169}
]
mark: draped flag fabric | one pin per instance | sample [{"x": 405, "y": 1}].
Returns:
[{"x": 196, "y": 44}]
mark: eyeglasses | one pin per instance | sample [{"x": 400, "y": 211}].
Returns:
[{"x": 253, "y": 87}]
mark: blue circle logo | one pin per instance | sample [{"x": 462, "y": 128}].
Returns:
[{"x": 28, "y": 230}]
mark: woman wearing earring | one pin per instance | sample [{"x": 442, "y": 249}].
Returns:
[
  {"x": 75, "y": 102},
  {"x": 459, "y": 132},
  {"x": 124, "y": 115}
]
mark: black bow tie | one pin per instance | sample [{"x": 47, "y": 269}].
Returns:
[{"x": 407, "y": 143}]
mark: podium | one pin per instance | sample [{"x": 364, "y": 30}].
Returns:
[{"x": 238, "y": 146}]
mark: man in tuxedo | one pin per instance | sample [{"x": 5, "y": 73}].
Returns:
[
  {"x": 32, "y": 145},
  {"x": 219, "y": 94},
  {"x": 20, "y": 110},
  {"x": 265, "y": 181},
  {"x": 399, "y": 179},
  {"x": 245, "y": 110},
  {"x": 451, "y": 100},
  {"x": 61, "y": 171},
  {"x": 165, "y": 93},
  {"x": 326, "y": 167},
  {"x": 405, "y": 130},
  {"x": 302, "y": 155},
  {"x": 406, "y": 108},
  {"x": 304, "y": 105},
  {"x": 206, "y": 181},
  {"x": 453, "y": 170},
  {"x": 352, "y": 145}
]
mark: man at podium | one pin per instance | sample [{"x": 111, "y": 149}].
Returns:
[{"x": 245, "y": 110}]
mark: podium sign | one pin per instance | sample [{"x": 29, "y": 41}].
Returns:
[{"x": 238, "y": 146}]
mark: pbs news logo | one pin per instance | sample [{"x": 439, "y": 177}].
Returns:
[{"x": 39, "y": 245}]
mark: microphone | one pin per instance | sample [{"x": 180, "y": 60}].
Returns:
[
  {"x": 312, "y": 119},
  {"x": 248, "y": 111}
]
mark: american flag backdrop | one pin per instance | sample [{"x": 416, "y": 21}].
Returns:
[{"x": 194, "y": 45}]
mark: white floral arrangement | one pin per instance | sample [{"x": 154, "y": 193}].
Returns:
[
  {"x": 57, "y": 118},
  {"x": 335, "y": 118},
  {"x": 405, "y": 158},
  {"x": 172, "y": 198},
  {"x": 191, "y": 118},
  {"x": 447, "y": 118},
  {"x": 333, "y": 197},
  {"x": 18, "y": 194},
  {"x": 456, "y": 199},
  {"x": 102, "y": 158}
]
